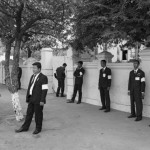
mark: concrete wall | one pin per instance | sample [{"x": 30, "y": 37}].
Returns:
[
  {"x": 47, "y": 67},
  {"x": 90, "y": 84},
  {"x": 120, "y": 74},
  {"x": 118, "y": 92},
  {"x": 119, "y": 87},
  {"x": 26, "y": 75},
  {"x": 145, "y": 56}
]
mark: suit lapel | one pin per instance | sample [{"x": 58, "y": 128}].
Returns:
[
  {"x": 30, "y": 83},
  {"x": 138, "y": 73},
  {"x": 31, "y": 80},
  {"x": 104, "y": 71}
]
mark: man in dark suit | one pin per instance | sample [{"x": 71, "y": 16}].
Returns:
[
  {"x": 136, "y": 90},
  {"x": 104, "y": 86},
  {"x": 19, "y": 77},
  {"x": 60, "y": 75},
  {"x": 79, "y": 72},
  {"x": 36, "y": 98}
]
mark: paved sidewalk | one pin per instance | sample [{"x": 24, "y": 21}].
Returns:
[{"x": 72, "y": 127}]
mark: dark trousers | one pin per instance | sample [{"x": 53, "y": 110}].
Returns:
[
  {"x": 77, "y": 88},
  {"x": 38, "y": 110},
  {"x": 19, "y": 83},
  {"x": 61, "y": 85},
  {"x": 105, "y": 98},
  {"x": 136, "y": 102}
]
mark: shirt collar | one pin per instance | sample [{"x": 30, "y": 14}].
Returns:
[
  {"x": 104, "y": 68},
  {"x": 36, "y": 75},
  {"x": 80, "y": 68},
  {"x": 136, "y": 70}
]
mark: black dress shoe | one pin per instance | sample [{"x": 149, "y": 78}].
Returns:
[
  {"x": 78, "y": 103},
  {"x": 21, "y": 130},
  {"x": 70, "y": 102},
  {"x": 57, "y": 95},
  {"x": 132, "y": 116},
  {"x": 107, "y": 110},
  {"x": 36, "y": 131},
  {"x": 102, "y": 108},
  {"x": 138, "y": 119}
]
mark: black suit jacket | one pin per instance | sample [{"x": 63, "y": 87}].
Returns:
[
  {"x": 79, "y": 72},
  {"x": 60, "y": 72},
  {"x": 39, "y": 91},
  {"x": 136, "y": 81},
  {"x": 19, "y": 72},
  {"x": 105, "y": 78}
]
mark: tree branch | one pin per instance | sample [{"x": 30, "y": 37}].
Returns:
[
  {"x": 7, "y": 14},
  {"x": 18, "y": 17},
  {"x": 32, "y": 21},
  {"x": 41, "y": 33},
  {"x": 6, "y": 2},
  {"x": 29, "y": 24}
]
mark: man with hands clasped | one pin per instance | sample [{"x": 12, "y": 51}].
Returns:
[
  {"x": 136, "y": 90},
  {"x": 104, "y": 86},
  {"x": 79, "y": 72}
]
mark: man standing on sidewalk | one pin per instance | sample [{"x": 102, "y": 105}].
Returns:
[
  {"x": 36, "y": 98},
  {"x": 136, "y": 90},
  {"x": 79, "y": 72},
  {"x": 104, "y": 86},
  {"x": 60, "y": 75}
]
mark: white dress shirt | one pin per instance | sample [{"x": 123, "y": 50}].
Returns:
[
  {"x": 33, "y": 82},
  {"x": 135, "y": 71}
]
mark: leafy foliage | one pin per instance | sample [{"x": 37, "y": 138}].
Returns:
[
  {"x": 27, "y": 21},
  {"x": 24, "y": 18},
  {"x": 113, "y": 21}
]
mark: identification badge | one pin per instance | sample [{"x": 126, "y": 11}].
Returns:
[
  {"x": 81, "y": 73},
  {"x": 104, "y": 75},
  {"x": 137, "y": 78}
]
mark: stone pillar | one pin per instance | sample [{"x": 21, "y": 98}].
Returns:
[
  {"x": 106, "y": 56},
  {"x": 47, "y": 67},
  {"x": 145, "y": 61},
  {"x": 70, "y": 70}
]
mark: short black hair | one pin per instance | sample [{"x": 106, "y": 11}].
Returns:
[
  {"x": 38, "y": 64},
  {"x": 137, "y": 61},
  {"x": 104, "y": 61},
  {"x": 64, "y": 64},
  {"x": 80, "y": 62}
]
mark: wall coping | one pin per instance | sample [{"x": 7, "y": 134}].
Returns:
[
  {"x": 46, "y": 50},
  {"x": 111, "y": 65},
  {"x": 120, "y": 65}
]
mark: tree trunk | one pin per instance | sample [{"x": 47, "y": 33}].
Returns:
[
  {"x": 29, "y": 52},
  {"x": 12, "y": 80}
]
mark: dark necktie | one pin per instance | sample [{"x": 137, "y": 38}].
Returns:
[{"x": 33, "y": 79}]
